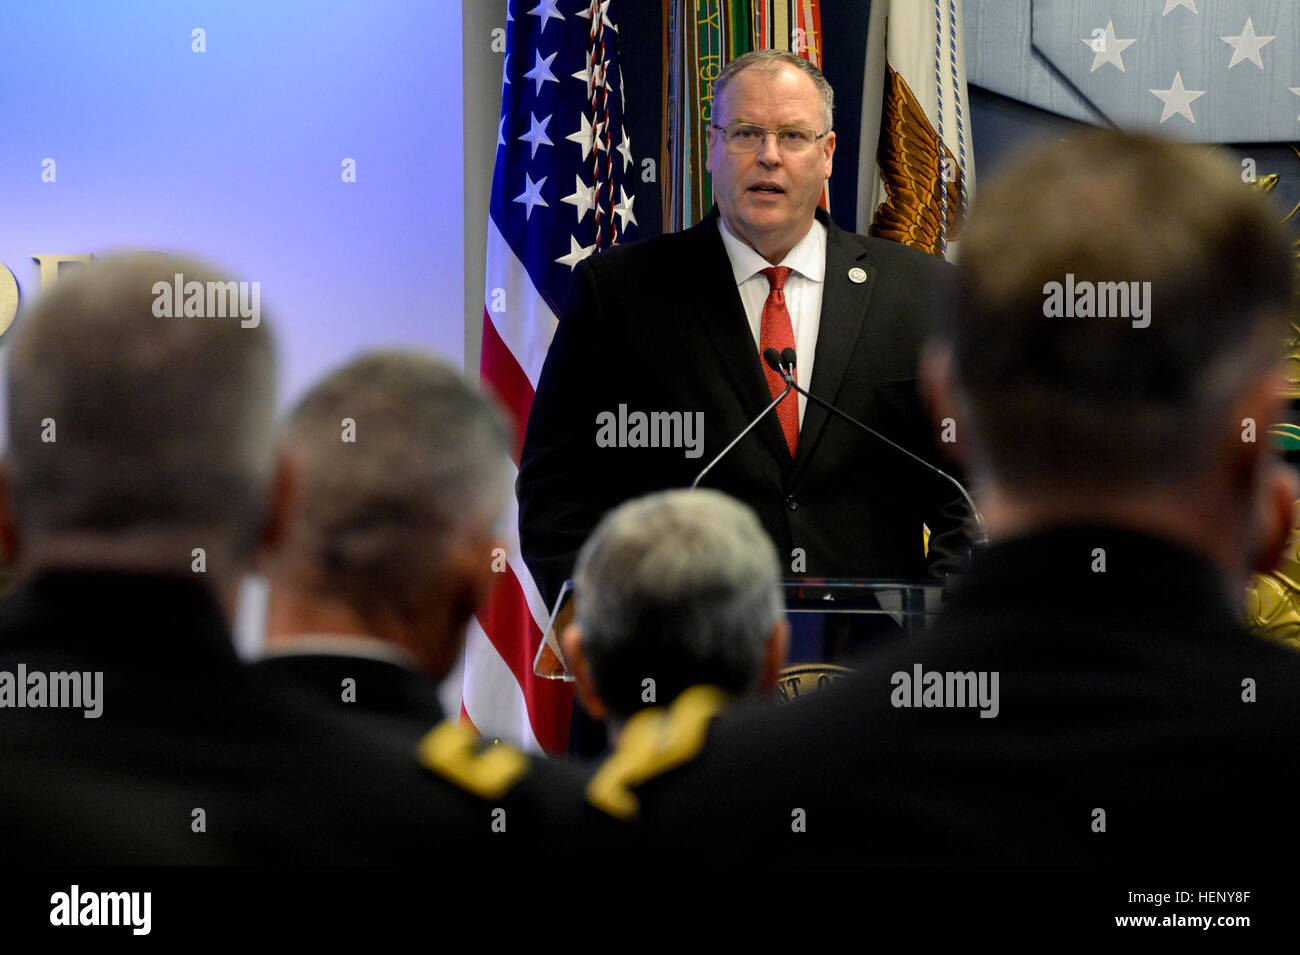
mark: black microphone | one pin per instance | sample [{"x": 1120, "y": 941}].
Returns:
[
  {"x": 770, "y": 355},
  {"x": 789, "y": 359},
  {"x": 784, "y": 365}
]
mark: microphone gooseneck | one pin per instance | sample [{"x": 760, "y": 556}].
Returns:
[
  {"x": 774, "y": 360},
  {"x": 784, "y": 365}
]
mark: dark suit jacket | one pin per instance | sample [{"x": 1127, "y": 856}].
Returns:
[
  {"x": 659, "y": 326},
  {"x": 186, "y": 726},
  {"x": 1120, "y": 691},
  {"x": 391, "y": 698}
]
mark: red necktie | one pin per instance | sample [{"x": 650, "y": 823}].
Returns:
[{"x": 777, "y": 332}]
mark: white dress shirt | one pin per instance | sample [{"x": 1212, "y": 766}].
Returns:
[{"x": 803, "y": 293}]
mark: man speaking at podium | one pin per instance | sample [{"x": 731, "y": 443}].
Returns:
[{"x": 667, "y": 334}]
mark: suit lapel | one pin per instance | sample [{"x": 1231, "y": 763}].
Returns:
[
  {"x": 722, "y": 316},
  {"x": 844, "y": 309}
]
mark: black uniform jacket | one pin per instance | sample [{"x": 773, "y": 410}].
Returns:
[
  {"x": 388, "y": 696},
  {"x": 195, "y": 759}
]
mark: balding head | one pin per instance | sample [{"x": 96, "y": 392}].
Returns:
[{"x": 134, "y": 438}]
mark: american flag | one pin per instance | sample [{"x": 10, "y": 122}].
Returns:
[{"x": 562, "y": 190}]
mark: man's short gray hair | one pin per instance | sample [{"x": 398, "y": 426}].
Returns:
[
  {"x": 770, "y": 61},
  {"x": 399, "y": 455},
  {"x": 125, "y": 423},
  {"x": 682, "y": 587}
]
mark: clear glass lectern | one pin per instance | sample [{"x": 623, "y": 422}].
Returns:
[{"x": 832, "y": 621}]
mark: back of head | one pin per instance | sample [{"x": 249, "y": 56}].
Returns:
[
  {"x": 134, "y": 436},
  {"x": 1116, "y": 295},
  {"x": 679, "y": 587},
  {"x": 402, "y": 461}
]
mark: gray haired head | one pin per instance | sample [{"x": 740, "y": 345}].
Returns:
[
  {"x": 130, "y": 433},
  {"x": 770, "y": 61},
  {"x": 1077, "y": 404},
  {"x": 399, "y": 457},
  {"x": 682, "y": 587}
]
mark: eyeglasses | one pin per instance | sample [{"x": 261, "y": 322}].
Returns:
[{"x": 749, "y": 138}]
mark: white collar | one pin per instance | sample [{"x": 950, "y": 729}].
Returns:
[
  {"x": 808, "y": 257},
  {"x": 340, "y": 645}
]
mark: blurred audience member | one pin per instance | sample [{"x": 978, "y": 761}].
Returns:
[{"x": 388, "y": 548}]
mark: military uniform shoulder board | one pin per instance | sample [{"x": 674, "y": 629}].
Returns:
[
  {"x": 457, "y": 755},
  {"x": 654, "y": 742}
]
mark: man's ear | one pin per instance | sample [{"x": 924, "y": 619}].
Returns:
[
  {"x": 9, "y": 544},
  {"x": 285, "y": 488},
  {"x": 939, "y": 393},
  {"x": 829, "y": 151},
  {"x": 461, "y": 581},
  {"x": 1273, "y": 485},
  {"x": 576, "y": 660},
  {"x": 1275, "y": 516},
  {"x": 1246, "y": 442},
  {"x": 711, "y": 137},
  {"x": 467, "y": 572},
  {"x": 774, "y": 653}
]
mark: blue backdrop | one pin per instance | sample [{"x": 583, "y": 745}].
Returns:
[{"x": 236, "y": 154}]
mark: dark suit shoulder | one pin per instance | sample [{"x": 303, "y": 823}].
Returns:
[
  {"x": 896, "y": 258},
  {"x": 671, "y": 248}
]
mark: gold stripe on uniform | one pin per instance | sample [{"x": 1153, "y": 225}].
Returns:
[
  {"x": 654, "y": 742},
  {"x": 452, "y": 751}
]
